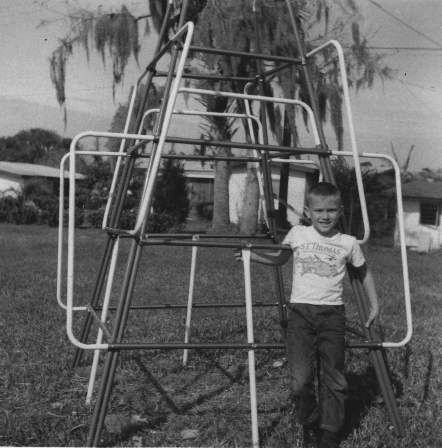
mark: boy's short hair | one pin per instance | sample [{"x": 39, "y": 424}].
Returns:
[{"x": 324, "y": 189}]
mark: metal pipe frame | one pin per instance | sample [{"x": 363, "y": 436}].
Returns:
[{"x": 378, "y": 356}]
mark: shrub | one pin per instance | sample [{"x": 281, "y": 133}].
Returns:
[{"x": 171, "y": 197}]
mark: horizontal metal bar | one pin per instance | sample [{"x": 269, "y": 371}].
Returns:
[
  {"x": 266, "y": 57},
  {"x": 205, "y": 235},
  {"x": 226, "y": 245},
  {"x": 211, "y": 77},
  {"x": 250, "y": 146},
  {"x": 208, "y": 157},
  {"x": 166, "y": 306},
  {"x": 182, "y": 345},
  {"x": 221, "y": 346},
  {"x": 122, "y": 233}
]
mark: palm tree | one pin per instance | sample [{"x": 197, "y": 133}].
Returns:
[{"x": 231, "y": 24}]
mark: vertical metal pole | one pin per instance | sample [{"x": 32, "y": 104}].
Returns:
[
  {"x": 268, "y": 188},
  {"x": 377, "y": 357},
  {"x": 134, "y": 256},
  {"x": 106, "y": 301},
  {"x": 190, "y": 299},
  {"x": 251, "y": 352}
]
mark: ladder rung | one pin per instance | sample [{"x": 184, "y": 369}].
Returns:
[{"x": 266, "y": 57}]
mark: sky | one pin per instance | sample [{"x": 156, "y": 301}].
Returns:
[{"x": 402, "y": 112}]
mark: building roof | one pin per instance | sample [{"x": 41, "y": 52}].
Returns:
[
  {"x": 422, "y": 189},
  {"x": 33, "y": 170}
]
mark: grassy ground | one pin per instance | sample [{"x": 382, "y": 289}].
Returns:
[{"x": 155, "y": 399}]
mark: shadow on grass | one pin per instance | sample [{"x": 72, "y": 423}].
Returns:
[
  {"x": 162, "y": 417},
  {"x": 363, "y": 393}
]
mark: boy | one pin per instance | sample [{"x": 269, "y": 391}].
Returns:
[{"x": 316, "y": 321}]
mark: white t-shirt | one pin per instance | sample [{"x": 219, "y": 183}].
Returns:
[{"x": 319, "y": 264}]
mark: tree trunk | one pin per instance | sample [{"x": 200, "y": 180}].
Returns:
[
  {"x": 220, "y": 220},
  {"x": 249, "y": 213}
]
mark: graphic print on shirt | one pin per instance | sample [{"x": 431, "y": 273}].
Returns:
[{"x": 318, "y": 259}]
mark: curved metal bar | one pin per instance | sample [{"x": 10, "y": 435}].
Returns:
[
  {"x": 71, "y": 227},
  {"x": 244, "y": 96},
  {"x": 400, "y": 213},
  {"x": 351, "y": 130}
]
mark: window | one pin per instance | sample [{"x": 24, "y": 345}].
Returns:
[{"x": 430, "y": 212}]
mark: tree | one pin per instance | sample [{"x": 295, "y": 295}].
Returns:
[
  {"x": 230, "y": 24},
  {"x": 222, "y": 129},
  {"x": 34, "y": 146}
]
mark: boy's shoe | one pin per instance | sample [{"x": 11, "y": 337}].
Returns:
[
  {"x": 310, "y": 436},
  {"x": 328, "y": 439}
]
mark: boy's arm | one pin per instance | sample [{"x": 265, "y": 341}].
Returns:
[
  {"x": 370, "y": 289},
  {"x": 277, "y": 257}
]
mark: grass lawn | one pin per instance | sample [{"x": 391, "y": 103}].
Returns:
[{"x": 155, "y": 398}]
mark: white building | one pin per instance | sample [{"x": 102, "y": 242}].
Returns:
[
  {"x": 302, "y": 174},
  {"x": 422, "y": 215},
  {"x": 14, "y": 175}
]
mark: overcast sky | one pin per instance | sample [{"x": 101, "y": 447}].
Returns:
[{"x": 405, "y": 111}]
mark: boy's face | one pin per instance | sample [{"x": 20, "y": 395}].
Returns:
[{"x": 324, "y": 213}]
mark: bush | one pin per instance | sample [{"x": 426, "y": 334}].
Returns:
[
  {"x": 10, "y": 208},
  {"x": 171, "y": 196}
]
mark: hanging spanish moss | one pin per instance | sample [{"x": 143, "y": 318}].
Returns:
[
  {"x": 115, "y": 36},
  {"x": 57, "y": 70}
]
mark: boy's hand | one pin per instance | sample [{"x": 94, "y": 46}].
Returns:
[{"x": 374, "y": 311}]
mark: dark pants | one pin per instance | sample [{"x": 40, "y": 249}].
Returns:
[{"x": 316, "y": 333}]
